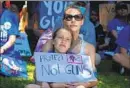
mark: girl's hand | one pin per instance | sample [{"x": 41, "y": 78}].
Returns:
[
  {"x": 59, "y": 85},
  {"x": 80, "y": 85}
]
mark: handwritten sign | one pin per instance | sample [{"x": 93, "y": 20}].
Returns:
[
  {"x": 22, "y": 45},
  {"x": 50, "y": 12},
  {"x": 54, "y": 67}
]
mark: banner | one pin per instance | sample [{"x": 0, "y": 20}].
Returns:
[
  {"x": 50, "y": 12},
  {"x": 54, "y": 67},
  {"x": 22, "y": 45},
  {"x": 13, "y": 66}
]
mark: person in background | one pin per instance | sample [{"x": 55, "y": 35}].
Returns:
[
  {"x": 115, "y": 26},
  {"x": 14, "y": 9},
  {"x": 123, "y": 42},
  {"x": 8, "y": 31},
  {"x": 10, "y": 58},
  {"x": 120, "y": 21},
  {"x": 100, "y": 34}
]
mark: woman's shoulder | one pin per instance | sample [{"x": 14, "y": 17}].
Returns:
[{"x": 89, "y": 48}]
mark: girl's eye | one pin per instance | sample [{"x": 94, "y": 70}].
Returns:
[
  {"x": 60, "y": 37},
  {"x": 68, "y": 39}
]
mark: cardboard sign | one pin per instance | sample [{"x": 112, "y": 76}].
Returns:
[
  {"x": 106, "y": 13},
  {"x": 22, "y": 45},
  {"x": 54, "y": 67}
]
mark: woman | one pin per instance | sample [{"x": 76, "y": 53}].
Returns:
[
  {"x": 123, "y": 42},
  {"x": 120, "y": 20},
  {"x": 73, "y": 20}
]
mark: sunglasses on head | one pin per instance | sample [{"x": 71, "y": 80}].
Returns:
[{"x": 69, "y": 17}]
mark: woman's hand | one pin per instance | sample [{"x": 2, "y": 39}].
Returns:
[{"x": 80, "y": 85}]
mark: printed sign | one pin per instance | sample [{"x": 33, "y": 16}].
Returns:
[
  {"x": 22, "y": 45},
  {"x": 54, "y": 67}
]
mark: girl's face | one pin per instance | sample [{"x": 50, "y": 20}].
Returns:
[
  {"x": 73, "y": 19},
  {"x": 62, "y": 41}
]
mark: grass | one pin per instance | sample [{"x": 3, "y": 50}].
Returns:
[
  {"x": 17, "y": 82},
  {"x": 107, "y": 79}
]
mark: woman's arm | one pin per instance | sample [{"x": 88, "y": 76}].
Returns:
[
  {"x": 114, "y": 33},
  {"x": 123, "y": 58},
  {"x": 123, "y": 51},
  {"x": 47, "y": 46},
  {"x": 90, "y": 51},
  {"x": 8, "y": 44},
  {"x": 86, "y": 84}
]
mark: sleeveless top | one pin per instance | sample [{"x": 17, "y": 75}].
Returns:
[
  {"x": 82, "y": 50},
  {"x": 83, "y": 45}
]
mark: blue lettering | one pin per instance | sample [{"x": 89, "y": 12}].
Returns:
[
  {"x": 74, "y": 69},
  {"x": 47, "y": 22},
  {"x": 50, "y": 71},
  {"x": 58, "y": 7},
  {"x": 48, "y": 4}
]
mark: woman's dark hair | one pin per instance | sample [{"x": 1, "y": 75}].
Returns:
[{"x": 121, "y": 5}]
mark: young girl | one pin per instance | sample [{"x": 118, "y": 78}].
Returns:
[{"x": 62, "y": 39}]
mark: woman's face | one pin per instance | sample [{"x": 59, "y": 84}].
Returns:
[
  {"x": 62, "y": 41},
  {"x": 73, "y": 19},
  {"x": 122, "y": 12}
]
